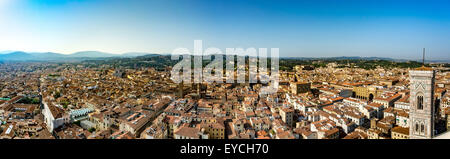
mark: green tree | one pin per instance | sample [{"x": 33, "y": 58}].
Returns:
[{"x": 91, "y": 130}]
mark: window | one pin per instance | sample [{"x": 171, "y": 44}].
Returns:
[
  {"x": 420, "y": 102},
  {"x": 422, "y": 128},
  {"x": 417, "y": 127}
]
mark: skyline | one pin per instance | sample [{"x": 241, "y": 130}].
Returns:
[{"x": 300, "y": 29}]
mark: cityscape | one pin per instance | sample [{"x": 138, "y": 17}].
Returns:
[
  {"x": 320, "y": 99},
  {"x": 76, "y": 69}
]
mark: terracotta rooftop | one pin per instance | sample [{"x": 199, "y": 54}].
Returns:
[
  {"x": 401, "y": 130},
  {"x": 423, "y": 68}
]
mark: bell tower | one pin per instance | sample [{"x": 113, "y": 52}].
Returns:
[{"x": 421, "y": 115}]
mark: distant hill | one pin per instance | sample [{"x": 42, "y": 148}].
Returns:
[
  {"x": 51, "y": 56},
  {"x": 342, "y": 58},
  {"x": 16, "y": 56},
  {"x": 47, "y": 55},
  {"x": 93, "y": 54},
  {"x": 134, "y": 54},
  {"x": 365, "y": 58},
  {"x": 96, "y": 55}
]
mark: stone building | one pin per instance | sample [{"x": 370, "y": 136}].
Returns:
[{"x": 422, "y": 108}]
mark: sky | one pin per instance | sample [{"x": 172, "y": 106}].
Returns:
[{"x": 314, "y": 28}]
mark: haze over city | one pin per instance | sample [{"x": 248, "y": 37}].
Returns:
[{"x": 395, "y": 29}]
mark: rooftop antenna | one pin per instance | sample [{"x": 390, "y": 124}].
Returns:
[{"x": 423, "y": 59}]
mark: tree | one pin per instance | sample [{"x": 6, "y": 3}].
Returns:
[
  {"x": 35, "y": 101},
  {"x": 91, "y": 130},
  {"x": 65, "y": 104},
  {"x": 57, "y": 95}
]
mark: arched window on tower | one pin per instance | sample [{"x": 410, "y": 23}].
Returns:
[
  {"x": 422, "y": 129},
  {"x": 420, "y": 102},
  {"x": 417, "y": 127}
]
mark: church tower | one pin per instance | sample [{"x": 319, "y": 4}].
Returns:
[
  {"x": 421, "y": 115},
  {"x": 181, "y": 90}
]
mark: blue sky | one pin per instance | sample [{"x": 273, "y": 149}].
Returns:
[{"x": 316, "y": 28}]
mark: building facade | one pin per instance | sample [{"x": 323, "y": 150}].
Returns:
[{"x": 421, "y": 100}]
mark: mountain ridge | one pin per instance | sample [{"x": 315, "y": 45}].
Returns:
[
  {"x": 86, "y": 55},
  {"x": 51, "y": 56}
]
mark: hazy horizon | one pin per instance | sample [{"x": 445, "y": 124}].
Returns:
[
  {"x": 322, "y": 28},
  {"x": 123, "y": 53}
]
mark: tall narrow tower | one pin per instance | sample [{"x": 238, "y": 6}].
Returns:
[
  {"x": 181, "y": 90},
  {"x": 421, "y": 115}
]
